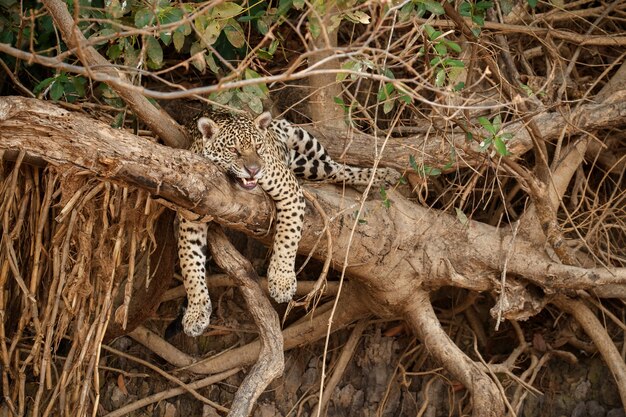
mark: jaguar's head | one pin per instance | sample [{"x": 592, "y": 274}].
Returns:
[{"x": 236, "y": 143}]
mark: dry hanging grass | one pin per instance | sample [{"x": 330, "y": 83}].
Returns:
[{"x": 72, "y": 248}]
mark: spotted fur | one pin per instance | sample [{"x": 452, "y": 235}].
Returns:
[{"x": 268, "y": 153}]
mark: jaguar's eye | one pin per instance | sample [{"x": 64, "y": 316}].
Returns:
[
  {"x": 258, "y": 146},
  {"x": 234, "y": 150}
]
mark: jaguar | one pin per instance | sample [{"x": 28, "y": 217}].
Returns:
[{"x": 260, "y": 151}]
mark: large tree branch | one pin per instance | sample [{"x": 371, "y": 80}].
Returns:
[
  {"x": 434, "y": 149},
  {"x": 430, "y": 244}
]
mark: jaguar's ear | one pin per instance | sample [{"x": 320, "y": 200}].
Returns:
[
  {"x": 263, "y": 120},
  {"x": 207, "y": 127}
]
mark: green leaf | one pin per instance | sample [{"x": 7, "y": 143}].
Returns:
[
  {"x": 221, "y": 97},
  {"x": 485, "y": 144},
  {"x": 358, "y": 16},
  {"x": 118, "y": 121},
  {"x": 459, "y": 86},
  {"x": 436, "y": 61},
  {"x": 441, "y": 48},
  {"x": 452, "y": 45},
  {"x": 405, "y": 12},
  {"x": 263, "y": 54},
  {"x": 262, "y": 26},
  {"x": 114, "y": 9},
  {"x": 234, "y": 34},
  {"x": 56, "y": 90},
  {"x": 43, "y": 85},
  {"x": 532, "y": 3},
  {"x": 479, "y": 20},
  {"x": 348, "y": 65},
  {"x": 154, "y": 50},
  {"x": 457, "y": 63},
  {"x": 388, "y": 106},
  {"x": 465, "y": 9},
  {"x": 529, "y": 91},
  {"x": 260, "y": 89},
  {"x": 210, "y": 32},
  {"x": 179, "y": 40},
  {"x": 273, "y": 46},
  {"x": 383, "y": 193},
  {"x": 114, "y": 51},
  {"x": 210, "y": 61},
  {"x": 185, "y": 29},
  {"x": 413, "y": 163},
  {"x": 484, "y": 5},
  {"x": 486, "y": 124},
  {"x": 226, "y": 10},
  {"x": 170, "y": 15},
  {"x": 405, "y": 98},
  {"x": 385, "y": 92},
  {"x": 440, "y": 78},
  {"x": 339, "y": 101},
  {"x": 431, "y": 171},
  {"x": 255, "y": 104},
  {"x": 143, "y": 17},
  {"x": 79, "y": 85},
  {"x": 497, "y": 123},
  {"x": 433, "y": 7},
  {"x": 500, "y": 146},
  {"x": 166, "y": 38},
  {"x": 430, "y": 31},
  {"x": 314, "y": 28},
  {"x": 198, "y": 60}
]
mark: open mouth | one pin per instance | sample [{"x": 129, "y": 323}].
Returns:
[{"x": 247, "y": 183}]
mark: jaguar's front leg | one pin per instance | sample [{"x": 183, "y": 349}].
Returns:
[
  {"x": 281, "y": 276},
  {"x": 192, "y": 256}
]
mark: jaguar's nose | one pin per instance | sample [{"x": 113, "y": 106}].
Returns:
[{"x": 253, "y": 170}]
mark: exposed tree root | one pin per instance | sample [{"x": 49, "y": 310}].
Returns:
[
  {"x": 303, "y": 333},
  {"x": 340, "y": 366},
  {"x": 173, "y": 392},
  {"x": 271, "y": 362},
  {"x": 596, "y": 331}
]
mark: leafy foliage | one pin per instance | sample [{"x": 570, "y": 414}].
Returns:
[{"x": 495, "y": 138}]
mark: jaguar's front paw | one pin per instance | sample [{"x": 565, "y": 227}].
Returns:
[
  {"x": 197, "y": 317},
  {"x": 282, "y": 286}
]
